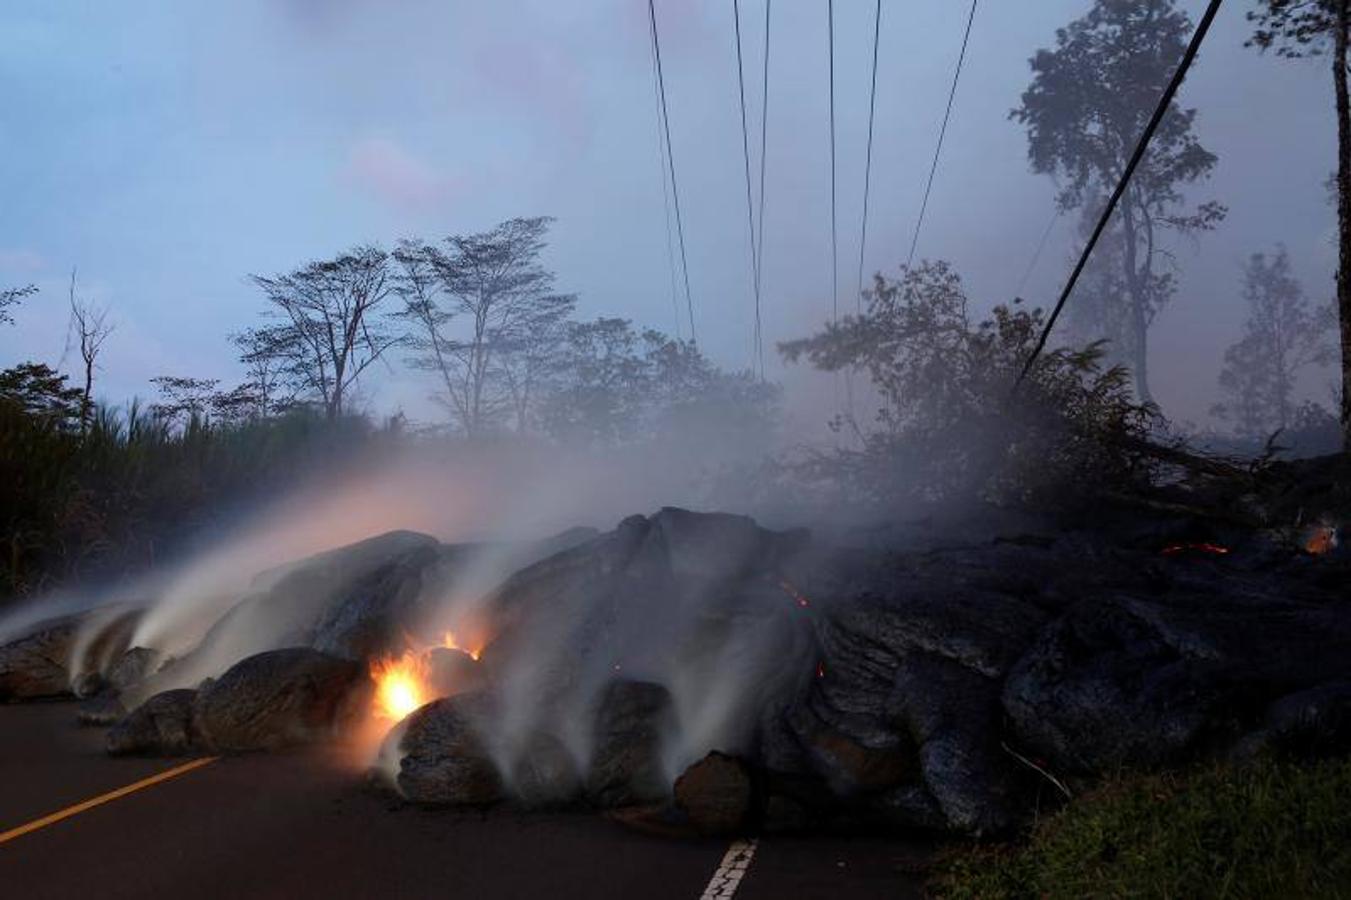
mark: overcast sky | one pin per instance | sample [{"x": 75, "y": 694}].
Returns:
[{"x": 168, "y": 149}]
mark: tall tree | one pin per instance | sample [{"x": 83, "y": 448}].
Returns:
[
  {"x": 1282, "y": 335},
  {"x": 332, "y": 324},
  {"x": 1088, "y": 104},
  {"x": 481, "y": 305},
  {"x": 89, "y": 328},
  {"x": 1298, "y": 28}
]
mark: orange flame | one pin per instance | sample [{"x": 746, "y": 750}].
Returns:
[
  {"x": 400, "y": 685},
  {"x": 1322, "y": 539}
]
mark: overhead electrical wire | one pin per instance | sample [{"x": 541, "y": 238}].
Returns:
[
  {"x": 750, "y": 203},
  {"x": 1165, "y": 101},
  {"x": 942, "y": 133},
  {"x": 868, "y": 163},
  {"x": 834, "y": 238},
  {"x": 1036, "y": 255},
  {"x": 665, "y": 199},
  {"x": 764, "y": 131},
  {"x": 670, "y": 161}
]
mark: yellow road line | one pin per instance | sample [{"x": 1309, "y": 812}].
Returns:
[{"x": 104, "y": 798}]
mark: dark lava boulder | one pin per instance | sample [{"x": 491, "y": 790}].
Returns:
[
  {"x": 1104, "y": 687},
  {"x": 369, "y": 613},
  {"x": 451, "y": 672},
  {"x": 163, "y": 725},
  {"x": 1123, "y": 681},
  {"x": 1309, "y": 724},
  {"x": 904, "y": 716},
  {"x": 35, "y": 665},
  {"x": 444, "y": 759},
  {"x": 544, "y": 773},
  {"x": 101, "y": 711},
  {"x": 132, "y": 667},
  {"x": 716, "y": 794},
  {"x": 280, "y": 698},
  {"x": 633, "y": 719}
]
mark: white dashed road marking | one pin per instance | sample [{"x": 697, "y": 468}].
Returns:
[{"x": 735, "y": 863}]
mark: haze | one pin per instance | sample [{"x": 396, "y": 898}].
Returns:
[{"x": 168, "y": 153}]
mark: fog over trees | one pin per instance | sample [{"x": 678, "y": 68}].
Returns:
[{"x": 489, "y": 326}]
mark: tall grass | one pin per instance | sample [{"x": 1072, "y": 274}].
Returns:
[{"x": 112, "y": 500}]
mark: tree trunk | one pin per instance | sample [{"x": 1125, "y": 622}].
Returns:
[
  {"x": 87, "y": 399},
  {"x": 1139, "y": 349},
  {"x": 1339, "y": 59}
]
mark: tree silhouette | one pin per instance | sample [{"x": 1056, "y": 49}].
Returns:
[
  {"x": 10, "y": 298},
  {"x": 1299, "y": 28},
  {"x": 1088, "y": 104},
  {"x": 1282, "y": 335},
  {"x": 484, "y": 314},
  {"x": 331, "y": 326}
]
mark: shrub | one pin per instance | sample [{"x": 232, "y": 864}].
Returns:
[{"x": 948, "y": 424}]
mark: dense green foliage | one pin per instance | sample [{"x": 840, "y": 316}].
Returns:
[{"x": 1268, "y": 830}]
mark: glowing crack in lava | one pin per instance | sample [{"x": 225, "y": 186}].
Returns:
[
  {"x": 1199, "y": 549},
  {"x": 400, "y": 685},
  {"x": 1321, "y": 539},
  {"x": 450, "y": 643}
]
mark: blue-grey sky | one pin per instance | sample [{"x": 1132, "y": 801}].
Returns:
[{"x": 168, "y": 149}]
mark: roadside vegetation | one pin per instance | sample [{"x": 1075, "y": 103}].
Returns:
[{"x": 1269, "y": 829}]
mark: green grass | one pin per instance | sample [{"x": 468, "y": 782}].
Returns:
[{"x": 1265, "y": 830}]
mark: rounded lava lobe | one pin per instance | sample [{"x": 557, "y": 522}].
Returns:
[{"x": 445, "y": 760}]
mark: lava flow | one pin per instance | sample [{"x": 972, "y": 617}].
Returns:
[{"x": 400, "y": 685}]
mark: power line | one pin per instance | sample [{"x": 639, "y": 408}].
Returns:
[
  {"x": 665, "y": 200},
  {"x": 868, "y": 165},
  {"x": 942, "y": 132},
  {"x": 764, "y": 129},
  {"x": 1036, "y": 255},
  {"x": 670, "y": 160},
  {"x": 834, "y": 240},
  {"x": 750, "y": 204},
  {"x": 1164, "y": 103}
]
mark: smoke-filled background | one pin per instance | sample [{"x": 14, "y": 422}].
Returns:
[{"x": 168, "y": 153}]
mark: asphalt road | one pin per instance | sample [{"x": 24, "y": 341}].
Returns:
[{"x": 299, "y": 825}]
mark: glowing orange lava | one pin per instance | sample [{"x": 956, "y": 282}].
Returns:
[
  {"x": 451, "y": 643},
  {"x": 1321, "y": 539},
  {"x": 1212, "y": 549},
  {"x": 400, "y": 685}
]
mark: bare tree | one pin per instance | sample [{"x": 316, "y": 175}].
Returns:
[
  {"x": 89, "y": 328},
  {"x": 494, "y": 288},
  {"x": 331, "y": 327},
  {"x": 9, "y": 298}
]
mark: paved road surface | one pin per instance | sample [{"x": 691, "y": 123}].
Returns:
[{"x": 301, "y": 825}]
